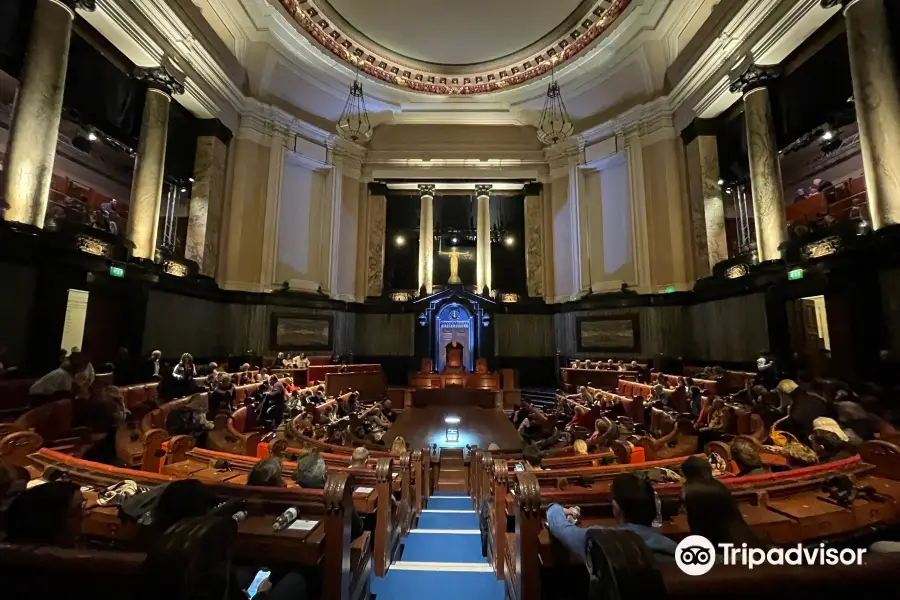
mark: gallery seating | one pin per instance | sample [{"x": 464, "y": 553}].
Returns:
[{"x": 598, "y": 378}]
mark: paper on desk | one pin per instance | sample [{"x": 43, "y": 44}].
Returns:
[
  {"x": 35, "y": 483},
  {"x": 302, "y": 525},
  {"x": 363, "y": 490}
]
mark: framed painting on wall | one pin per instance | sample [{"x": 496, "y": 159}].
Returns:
[
  {"x": 609, "y": 334},
  {"x": 301, "y": 332}
]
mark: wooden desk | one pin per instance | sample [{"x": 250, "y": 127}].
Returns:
[{"x": 453, "y": 397}]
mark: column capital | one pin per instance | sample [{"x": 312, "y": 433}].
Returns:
[
  {"x": 85, "y": 5},
  {"x": 844, "y": 4},
  {"x": 754, "y": 77},
  {"x": 159, "y": 78},
  {"x": 426, "y": 191},
  {"x": 483, "y": 190}
]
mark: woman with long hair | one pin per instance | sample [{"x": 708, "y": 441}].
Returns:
[{"x": 713, "y": 514}]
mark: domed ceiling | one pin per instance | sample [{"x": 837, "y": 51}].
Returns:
[{"x": 460, "y": 47}]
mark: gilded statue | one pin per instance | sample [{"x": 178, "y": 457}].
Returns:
[{"x": 455, "y": 255}]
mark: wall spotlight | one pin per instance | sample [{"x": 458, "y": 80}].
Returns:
[
  {"x": 454, "y": 240},
  {"x": 721, "y": 182},
  {"x": 92, "y": 136},
  {"x": 191, "y": 179},
  {"x": 399, "y": 240},
  {"x": 183, "y": 189},
  {"x": 828, "y": 136},
  {"x": 509, "y": 241}
]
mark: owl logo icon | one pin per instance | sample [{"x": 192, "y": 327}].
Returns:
[{"x": 695, "y": 555}]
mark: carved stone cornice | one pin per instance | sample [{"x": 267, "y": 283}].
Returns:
[
  {"x": 159, "y": 78},
  {"x": 753, "y": 78}
]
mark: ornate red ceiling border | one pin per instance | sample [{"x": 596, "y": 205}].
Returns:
[{"x": 599, "y": 20}]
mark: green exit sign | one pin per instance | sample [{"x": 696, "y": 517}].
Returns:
[
  {"x": 670, "y": 289},
  {"x": 117, "y": 271},
  {"x": 795, "y": 274}
]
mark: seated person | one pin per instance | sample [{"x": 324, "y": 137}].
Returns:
[
  {"x": 659, "y": 397},
  {"x": 387, "y": 411},
  {"x": 266, "y": 473},
  {"x": 634, "y": 506},
  {"x": 360, "y": 458},
  {"x": 695, "y": 401},
  {"x": 830, "y": 442},
  {"x": 222, "y": 396},
  {"x": 310, "y": 474},
  {"x": 745, "y": 454},
  {"x": 179, "y": 500},
  {"x": 301, "y": 362},
  {"x": 271, "y": 409},
  {"x": 58, "y": 384},
  {"x": 713, "y": 514},
  {"x": 582, "y": 416},
  {"x": 696, "y": 468},
  {"x": 533, "y": 459},
  {"x": 46, "y": 514},
  {"x": 191, "y": 420}
]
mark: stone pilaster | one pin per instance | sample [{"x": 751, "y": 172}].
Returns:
[
  {"x": 149, "y": 166},
  {"x": 534, "y": 240},
  {"x": 483, "y": 239},
  {"x": 426, "y": 238},
  {"x": 376, "y": 219},
  {"x": 877, "y": 100},
  {"x": 207, "y": 201},
  {"x": 765, "y": 169},
  {"x": 35, "y": 123}
]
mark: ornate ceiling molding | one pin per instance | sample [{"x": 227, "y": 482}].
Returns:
[{"x": 481, "y": 79}]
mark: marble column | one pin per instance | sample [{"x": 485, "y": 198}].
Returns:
[
  {"x": 35, "y": 123},
  {"x": 877, "y": 100},
  {"x": 707, "y": 204},
  {"x": 207, "y": 199},
  {"x": 534, "y": 240},
  {"x": 149, "y": 166},
  {"x": 483, "y": 239},
  {"x": 426, "y": 237},
  {"x": 765, "y": 169}
]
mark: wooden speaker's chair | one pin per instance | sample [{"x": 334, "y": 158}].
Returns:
[
  {"x": 481, "y": 365},
  {"x": 426, "y": 366}
]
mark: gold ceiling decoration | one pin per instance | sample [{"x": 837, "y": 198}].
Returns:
[{"x": 480, "y": 78}]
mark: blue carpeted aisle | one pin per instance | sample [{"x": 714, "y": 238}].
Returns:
[{"x": 441, "y": 558}]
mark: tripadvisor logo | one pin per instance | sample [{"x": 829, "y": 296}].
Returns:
[{"x": 695, "y": 555}]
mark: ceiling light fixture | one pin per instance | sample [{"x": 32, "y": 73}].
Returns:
[
  {"x": 828, "y": 135},
  {"x": 555, "y": 125},
  {"x": 454, "y": 240},
  {"x": 92, "y": 136},
  {"x": 354, "y": 125},
  {"x": 400, "y": 240},
  {"x": 721, "y": 182},
  {"x": 509, "y": 241}
]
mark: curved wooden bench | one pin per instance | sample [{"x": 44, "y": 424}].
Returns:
[{"x": 327, "y": 546}]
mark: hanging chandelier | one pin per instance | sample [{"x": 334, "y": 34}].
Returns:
[
  {"x": 555, "y": 125},
  {"x": 354, "y": 125}
]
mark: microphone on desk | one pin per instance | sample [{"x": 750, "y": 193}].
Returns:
[{"x": 285, "y": 519}]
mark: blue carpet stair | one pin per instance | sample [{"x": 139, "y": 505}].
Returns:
[{"x": 441, "y": 558}]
